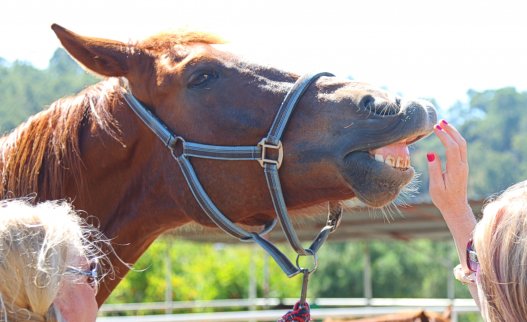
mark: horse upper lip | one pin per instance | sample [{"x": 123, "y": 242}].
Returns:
[
  {"x": 414, "y": 139},
  {"x": 406, "y": 141}
]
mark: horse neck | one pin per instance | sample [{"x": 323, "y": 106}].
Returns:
[
  {"x": 90, "y": 149},
  {"x": 124, "y": 190},
  {"x": 118, "y": 181}
]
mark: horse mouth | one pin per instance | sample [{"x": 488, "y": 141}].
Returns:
[
  {"x": 376, "y": 176},
  {"x": 395, "y": 155}
]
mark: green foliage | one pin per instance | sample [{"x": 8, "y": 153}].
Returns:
[
  {"x": 497, "y": 153},
  {"x": 340, "y": 272},
  {"x": 25, "y": 90},
  {"x": 200, "y": 272},
  {"x": 419, "y": 268}
]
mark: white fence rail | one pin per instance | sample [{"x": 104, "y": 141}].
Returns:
[{"x": 341, "y": 308}]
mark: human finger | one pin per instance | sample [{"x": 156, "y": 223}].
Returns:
[
  {"x": 457, "y": 137},
  {"x": 435, "y": 174},
  {"x": 453, "y": 156}
]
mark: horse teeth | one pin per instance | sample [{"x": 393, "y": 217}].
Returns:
[
  {"x": 390, "y": 160},
  {"x": 394, "y": 162},
  {"x": 400, "y": 162}
]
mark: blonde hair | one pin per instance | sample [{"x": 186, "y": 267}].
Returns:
[
  {"x": 500, "y": 239},
  {"x": 37, "y": 244}
]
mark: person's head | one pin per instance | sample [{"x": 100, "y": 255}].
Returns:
[
  {"x": 46, "y": 263},
  {"x": 500, "y": 240}
]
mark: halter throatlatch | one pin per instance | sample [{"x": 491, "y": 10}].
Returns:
[{"x": 182, "y": 150}]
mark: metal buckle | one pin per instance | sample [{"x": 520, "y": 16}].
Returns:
[{"x": 264, "y": 146}]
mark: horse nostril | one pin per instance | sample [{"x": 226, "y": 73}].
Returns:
[
  {"x": 383, "y": 108},
  {"x": 367, "y": 103}
]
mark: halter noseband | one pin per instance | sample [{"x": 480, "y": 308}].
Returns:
[{"x": 181, "y": 150}]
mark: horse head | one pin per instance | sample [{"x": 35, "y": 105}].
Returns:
[{"x": 344, "y": 140}]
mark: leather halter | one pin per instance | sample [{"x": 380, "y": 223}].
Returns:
[{"x": 181, "y": 150}]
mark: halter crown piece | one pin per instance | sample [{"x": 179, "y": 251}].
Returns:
[{"x": 181, "y": 150}]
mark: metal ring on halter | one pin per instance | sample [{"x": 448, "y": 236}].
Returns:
[
  {"x": 315, "y": 261},
  {"x": 265, "y": 230},
  {"x": 176, "y": 144}
]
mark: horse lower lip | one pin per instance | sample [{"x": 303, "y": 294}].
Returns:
[{"x": 373, "y": 182}]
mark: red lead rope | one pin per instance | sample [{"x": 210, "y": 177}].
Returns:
[{"x": 297, "y": 314}]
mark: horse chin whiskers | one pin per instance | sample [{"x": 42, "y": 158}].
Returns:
[
  {"x": 409, "y": 191},
  {"x": 301, "y": 216},
  {"x": 403, "y": 200},
  {"x": 391, "y": 210}
]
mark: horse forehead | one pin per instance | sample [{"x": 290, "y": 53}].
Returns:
[{"x": 193, "y": 53}]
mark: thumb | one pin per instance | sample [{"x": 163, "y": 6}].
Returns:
[{"x": 434, "y": 171}]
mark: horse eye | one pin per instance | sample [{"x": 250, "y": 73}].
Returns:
[{"x": 201, "y": 79}]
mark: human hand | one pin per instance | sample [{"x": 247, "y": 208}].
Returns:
[{"x": 448, "y": 189}]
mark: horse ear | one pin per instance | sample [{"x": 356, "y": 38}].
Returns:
[{"x": 102, "y": 56}]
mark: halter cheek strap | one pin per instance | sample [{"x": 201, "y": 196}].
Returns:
[{"x": 182, "y": 150}]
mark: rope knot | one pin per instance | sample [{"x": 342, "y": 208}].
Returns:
[{"x": 297, "y": 314}]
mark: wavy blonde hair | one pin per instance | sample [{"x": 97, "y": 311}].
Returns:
[
  {"x": 500, "y": 239},
  {"x": 37, "y": 244}
]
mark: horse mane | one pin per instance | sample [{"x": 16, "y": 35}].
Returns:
[
  {"x": 166, "y": 42},
  {"x": 40, "y": 154}
]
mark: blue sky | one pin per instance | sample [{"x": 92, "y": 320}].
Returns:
[{"x": 431, "y": 49}]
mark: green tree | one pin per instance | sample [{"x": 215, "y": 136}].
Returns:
[
  {"x": 200, "y": 272},
  {"x": 26, "y": 90},
  {"x": 340, "y": 272}
]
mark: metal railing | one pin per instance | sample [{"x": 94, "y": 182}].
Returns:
[{"x": 332, "y": 307}]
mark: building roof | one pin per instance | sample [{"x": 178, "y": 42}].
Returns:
[{"x": 421, "y": 220}]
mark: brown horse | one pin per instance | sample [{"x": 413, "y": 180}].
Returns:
[
  {"x": 410, "y": 316},
  {"x": 93, "y": 150}
]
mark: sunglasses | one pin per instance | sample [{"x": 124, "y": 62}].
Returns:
[
  {"x": 472, "y": 257},
  {"x": 91, "y": 274}
]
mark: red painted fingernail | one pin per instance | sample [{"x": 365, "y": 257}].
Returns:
[
  {"x": 444, "y": 122},
  {"x": 438, "y": 127},
  {"x": 431, "y": 157}
]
